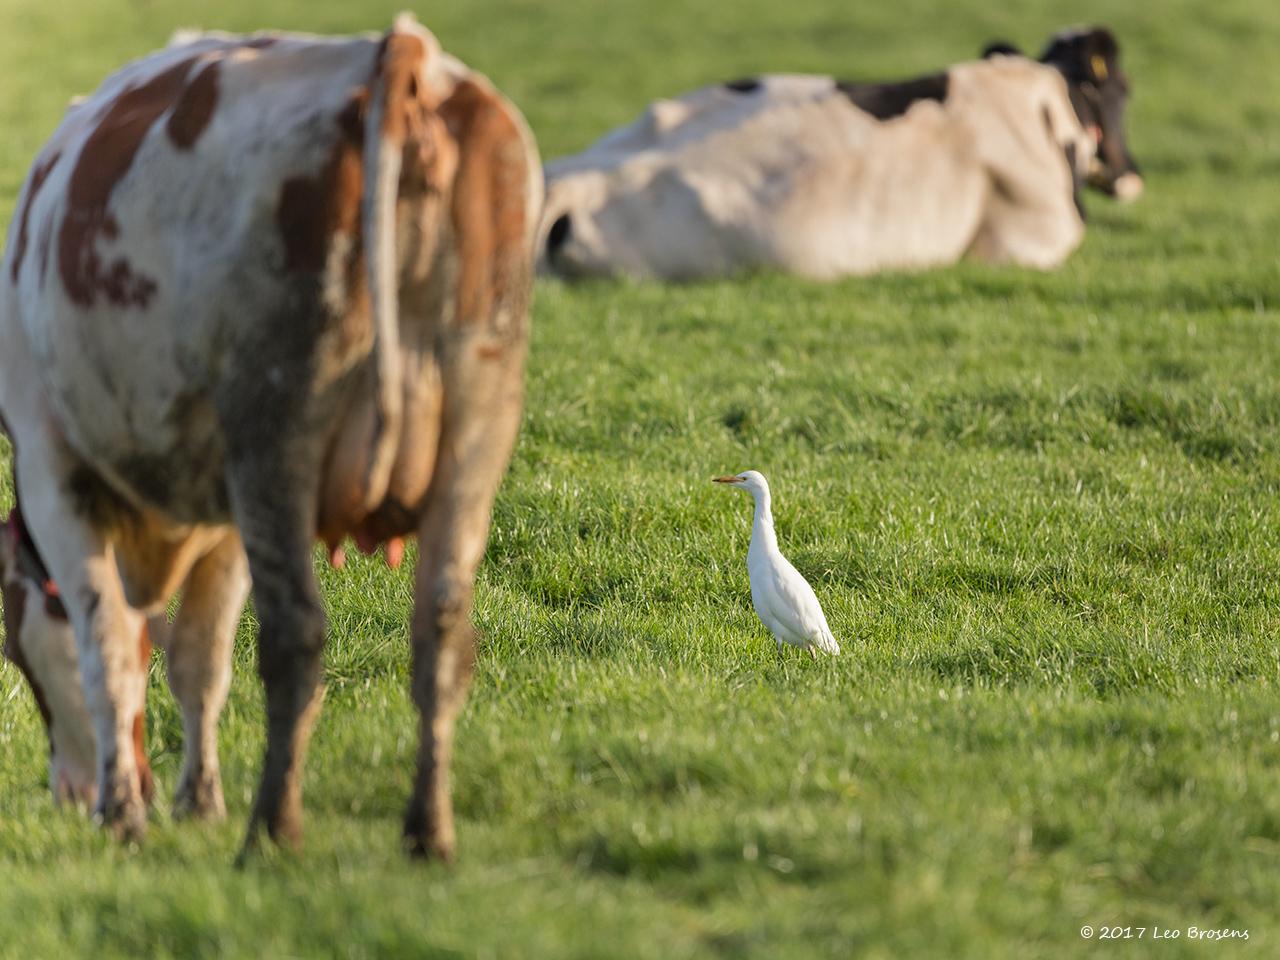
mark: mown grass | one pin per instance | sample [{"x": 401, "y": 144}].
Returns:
[{"x": 1040, "y": 511}]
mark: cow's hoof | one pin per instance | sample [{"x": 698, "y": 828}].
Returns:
[
  {"x": 421, "y": 842},
  {"x": 123, "y": 811},
  {"x": 128, "y": 824},
  {"x": 199, "y": 799},
  {"x": 284, "y": 837},
  {"x": 284, "y": 831},
  {"x": 131, "y": 829},
  {"x": 426, "y": 849}
]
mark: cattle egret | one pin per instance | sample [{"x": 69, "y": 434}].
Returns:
[{"x": 782, "y": 597}]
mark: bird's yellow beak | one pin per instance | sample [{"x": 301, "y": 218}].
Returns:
[{"x": 725, "y": 480}]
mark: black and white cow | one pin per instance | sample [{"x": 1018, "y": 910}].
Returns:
[
  {"x": 819, "y": 177},
  {"x": 260, "y": 290}
]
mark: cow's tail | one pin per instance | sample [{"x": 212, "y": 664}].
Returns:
[{"x": 385, "y": 129}]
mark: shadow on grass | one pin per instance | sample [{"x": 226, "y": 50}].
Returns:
[
  {"x": 698, "y": 869},
  {"x": 1202, "y": 430},
  {"x": 1106, "y": 664}
]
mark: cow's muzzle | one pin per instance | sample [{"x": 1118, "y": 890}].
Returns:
[{"x": 1123, "y": 187}]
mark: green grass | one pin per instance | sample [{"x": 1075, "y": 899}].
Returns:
[{"x": 1040, "y": 510}]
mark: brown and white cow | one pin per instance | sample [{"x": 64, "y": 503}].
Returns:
[
  {"x": 262, "y": 290},
  {"x": 822, "y": 178}
]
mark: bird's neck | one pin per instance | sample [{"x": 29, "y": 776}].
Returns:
[{"x": 762, "y": 535}]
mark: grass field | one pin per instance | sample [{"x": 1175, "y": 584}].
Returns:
[{"x": 1040, "y": 510}]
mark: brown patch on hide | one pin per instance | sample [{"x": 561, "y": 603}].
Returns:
[
  {"x": 105, "y": 159},
  {"x": 39, "y": 174},
  {"x": 312, "y": 209},
  {"x": 489, "y": 202},
  {"x": 194, "y": 109},
  {"x": 399, "y": 60},
  {"x": 154, "y": 557},
  {"x": 410, "y": 119},
  {"x": 145, "y": 778}
]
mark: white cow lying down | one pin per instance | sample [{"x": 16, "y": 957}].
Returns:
[{"x": 822, "y": 178}]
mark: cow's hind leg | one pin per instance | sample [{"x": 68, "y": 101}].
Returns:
[
  {"x": 81, "y": 561},
  {"x": 277, "y": 530},
  {"x": 473, "y": 455},
  {"x": 199, "y": 660}
]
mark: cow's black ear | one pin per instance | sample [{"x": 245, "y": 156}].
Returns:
[
  {"x": 1000, "y": 47},
  {"x": 1083, "y": 54},
  {"x": 1103, "y": 52}
]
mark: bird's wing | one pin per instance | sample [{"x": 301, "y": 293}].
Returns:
[
  {"x": 761, "y": 591},
  {"x": 795, "y": 606}
]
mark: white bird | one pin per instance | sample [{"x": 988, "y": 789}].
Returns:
[{"x": 782, "y": 597}]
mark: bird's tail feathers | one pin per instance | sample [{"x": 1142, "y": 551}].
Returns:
[{"x": 827, "y": 643}]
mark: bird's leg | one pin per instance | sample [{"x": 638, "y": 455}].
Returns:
[
  {"x": 813, "y": 654},
  {"x": 779, "y": 642}
]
